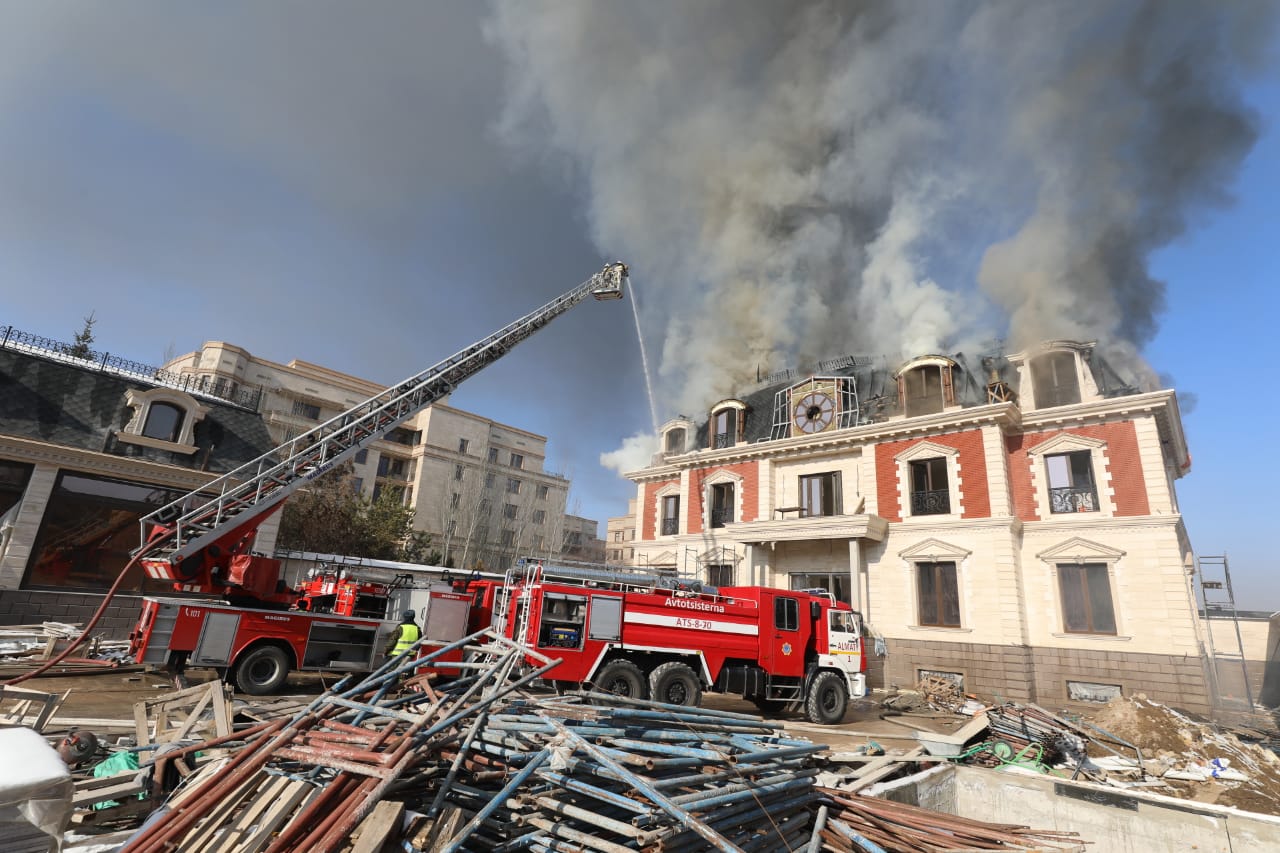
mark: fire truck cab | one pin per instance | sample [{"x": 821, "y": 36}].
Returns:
[{"x": 654, "y": 637}]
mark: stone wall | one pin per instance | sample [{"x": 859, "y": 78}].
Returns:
[
  {"x": 31, "y": 607},
  {"x": 1040, "y": 675}
]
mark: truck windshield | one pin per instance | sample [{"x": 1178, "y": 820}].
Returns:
[{"x": 843, "y": 620}]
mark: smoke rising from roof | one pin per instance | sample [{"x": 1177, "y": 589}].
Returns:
[{"x": 797, "y": 180}]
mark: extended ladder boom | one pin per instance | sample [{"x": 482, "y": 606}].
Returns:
[{"x": 248, "y": 494}]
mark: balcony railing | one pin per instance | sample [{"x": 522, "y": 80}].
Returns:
[
  {"x": 222, "y": 388},
  {"x": 670, "y": 526},
  {"x": 723, "y": 440},
  {"x": 1073, "y": 500},
  {"x": 721, "y": 517},
  {"x": 937, "y": 502}
]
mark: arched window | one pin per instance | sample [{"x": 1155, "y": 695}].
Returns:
[
  {"x": 164, "y": 421},
  {"x": 675, "y": 441},
  {"x": 922, "y": 390},
  {"x": 725, "y": 427}
]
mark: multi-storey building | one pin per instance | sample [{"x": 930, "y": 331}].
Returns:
[
  {"x": 1017, "y": 529},
  {"x": 478, "y": 486},
  {"x": 89, "y": 444},
  {"x": 620, "y": 537},
  {"x": 582, "y": 541}
]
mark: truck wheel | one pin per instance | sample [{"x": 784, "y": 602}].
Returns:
[
  {"x": 674, "y": 683},
  {"x": 621, "y": 678},
  {"x": 828, "y": 697},
  {"x": 263, "y": 670},
  {"x": 768, "y": 706}
]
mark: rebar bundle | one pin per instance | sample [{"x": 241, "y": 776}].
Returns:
[{"x": 856, "y": 824}]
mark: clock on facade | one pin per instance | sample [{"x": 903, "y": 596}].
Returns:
[{"x": 814, "y": 412}]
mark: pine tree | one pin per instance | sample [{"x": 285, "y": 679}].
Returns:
[{"x": 84, "y": 337}]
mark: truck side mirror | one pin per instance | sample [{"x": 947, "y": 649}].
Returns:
[{"x": 815, "y": 611}]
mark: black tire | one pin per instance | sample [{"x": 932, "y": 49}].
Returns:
[
  {"x": 621, "y": 678},
  {"x": 263, "y": 670},
  {"x": 674, "y": 683},
  {"x": 827, "y": 700}
]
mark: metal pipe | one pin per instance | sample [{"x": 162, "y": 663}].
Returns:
[{"x": 498, "y": 799}]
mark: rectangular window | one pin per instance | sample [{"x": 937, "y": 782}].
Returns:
[
  {"x": 922, "y": 390},
  {"x": 517, "y": 460},
  {"x": 1086, "y": 598},
  {"x": 670, "y": 515},
  {"x": 455, "y": 500},
  {"x": 786, "y": 614},
  {"x": 485, "y": 503},
  {"x": 402, "y": 435},
  {"x": 721, "y": 575},
  {"x": 463, "y": 444},
  {"x": 493, "y": 454},
  {"x": 490, "y": 479},
  {"x": 1053, "y": 376},
  {"x": 1071, "y": 487},
  {"x": 362, "y": 456},
  {"x": 617, "y": 536},
  {"x": 836, "y": 583},
  {"x": 513, "y": 485},
  {"x": 508, "y": 537},
  {"x": 939, "y": 594},
  {"x": 357, "y": 485},
  {"x": 457, "y": 472},
  {"x": 721, "y": 504},
  {"x": 820, "y": 494},
  {"x": 306, "y": 410},
  {"x": 724, "y": 430},
  {"x": 929, "y": 492},
  {"x": 543, "y": 491},
  {"x": 509, "y": 510},
  {"x": 539, "y": 516}
]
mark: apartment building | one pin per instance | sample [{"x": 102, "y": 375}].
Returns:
[
  {"x": 1016, "y": 529},
  {"x": 479, "y": 487},
  {"x": 620, "y": 537}
]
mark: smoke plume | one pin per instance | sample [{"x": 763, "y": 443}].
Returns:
[{"x": 798, "y": 180}]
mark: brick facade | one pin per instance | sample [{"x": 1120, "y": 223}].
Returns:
[
  {"x": 748, "y": 500},
  {"x": 1122, "y": 461},
  {"x": 975, "y": 494},
  {"x": 649, "y": 509}
]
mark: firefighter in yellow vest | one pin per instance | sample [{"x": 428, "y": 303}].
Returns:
[{"x": 405, "y": 635}]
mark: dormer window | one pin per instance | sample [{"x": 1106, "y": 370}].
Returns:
[
  {"x": 164, "y": 422},
  {"x": 1055, "y": 380},
  {"x": 163, "y": 418},
  {"x": 675, "y": 441},
  {"x": 725, "y": 428},
  {"x": 925, "y": 387}
]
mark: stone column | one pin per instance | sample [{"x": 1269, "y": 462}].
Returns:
[
  {"x": 855, "y": 573},
  {"x": 27, "y": 525}
]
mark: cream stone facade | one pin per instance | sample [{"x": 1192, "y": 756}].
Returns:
[
  {"x": 479, "y": 487},
  {"x": 1017, "y": 529}
]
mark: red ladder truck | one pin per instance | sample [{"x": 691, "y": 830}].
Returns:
[
  {"x": 655, "y": 636},
  {"x": 202, "y": 542}
]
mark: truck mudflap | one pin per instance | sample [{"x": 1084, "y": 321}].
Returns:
[{"x": 857, "y": 685}]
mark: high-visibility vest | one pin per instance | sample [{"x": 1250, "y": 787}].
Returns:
[{"x": 409, "y": 635}]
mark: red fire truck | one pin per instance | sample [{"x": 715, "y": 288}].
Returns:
[
  {"x": 654, "y": 636},
  {"x": 201, "y": 544}
]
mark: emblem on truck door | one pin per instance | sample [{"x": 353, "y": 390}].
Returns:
[{"x": 786, "y": 648}]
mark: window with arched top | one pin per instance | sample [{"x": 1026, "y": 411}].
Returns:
[
  {"x": 924, "y": 389},
  {"x": 725, "y": 428},
  {"x": 1055, "y": 380},
  {"x": 675, "y": 441},
  {"x": 164, "y": 421}
]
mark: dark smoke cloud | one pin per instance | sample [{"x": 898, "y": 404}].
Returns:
[{"x": 804, "y": 179}]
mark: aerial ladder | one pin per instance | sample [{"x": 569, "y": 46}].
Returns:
[{"x": 202, "y": 543}]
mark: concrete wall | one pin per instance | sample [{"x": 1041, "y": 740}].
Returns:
[
  {"x": 1111, "y": 820},
  {"x": 31, "y": 607}
]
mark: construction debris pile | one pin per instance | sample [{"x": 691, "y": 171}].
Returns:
[
  {"x": 478, "y": 762},
  {"x": 25, "y": 647}
]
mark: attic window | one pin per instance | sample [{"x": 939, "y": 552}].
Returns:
[
  {"x": 923, "y": 389},
  {"x": 163, "y": 418},
  {"x": 164, "y": 422},
  {"x": 725, "y": 429},
  {"x": 675, "y": 441},
  {"x": 1054, "y": 379}
]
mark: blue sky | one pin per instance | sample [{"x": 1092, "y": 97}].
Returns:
[{"x": 343, "y": 196}]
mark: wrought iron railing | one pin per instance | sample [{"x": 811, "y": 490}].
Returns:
[
  {"x": 721, "y": 517},
  {"x": 1070, "y": 499},
  {"x": 670, "y": 526},
  {"x": 937, "y": 502},
  {"x": 208, "y": 386},
  {"x": 723, "y": 439}
]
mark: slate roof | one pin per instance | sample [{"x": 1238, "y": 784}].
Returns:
[
  {"x": 78, "y": 407},
  {"x": 878, "y": 391}
]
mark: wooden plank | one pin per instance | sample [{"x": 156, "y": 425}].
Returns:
[
  {"x": 282, "y": 811},
  {"x": 873, "y": 773},
  {"x": 373, "y": 831}
]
